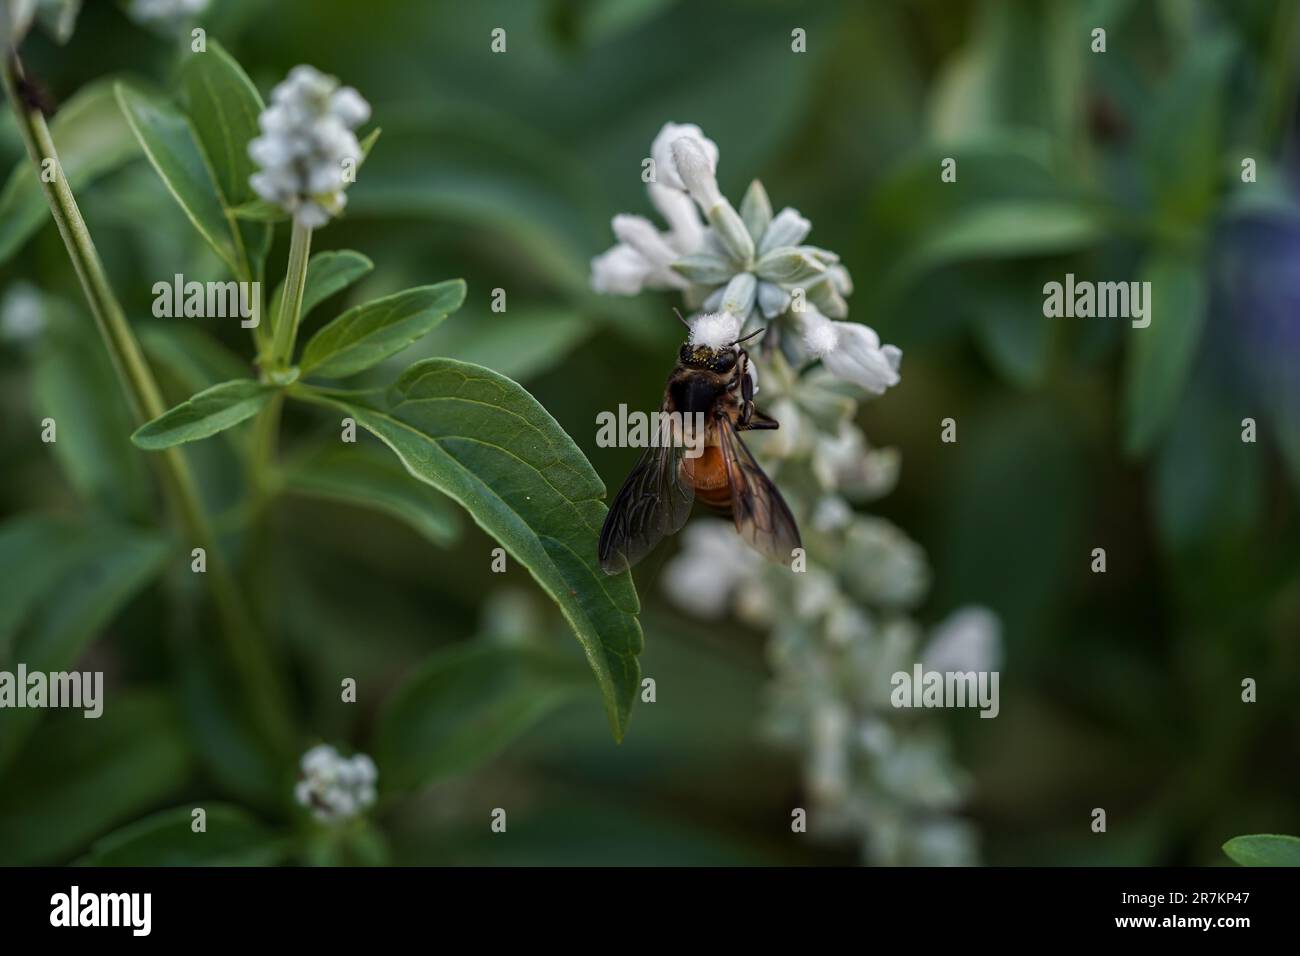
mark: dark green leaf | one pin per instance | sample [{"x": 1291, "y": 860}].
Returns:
[
  {"x": 481, "y": 439},
  {"x": 1264, "y": 849},
  {"x": 223, "y": 106},
  {"x": 1160, "y": 356},
  {"x": 360, "y": 475},
  {"x": 82, "y": 777},
  {"x": 75, "y": 384},
  {"x": 368, "y": 334},
  {"x": 210, "y": 411},
  {"x": 1181, "y": 143},
  {"x": 80, "y": 577},
  {"x": 1013, "y": 228},
  {"x": 167, "y": 838},
  {"x": 173, "y": 148},
  {"x": 466, "y": 704}
]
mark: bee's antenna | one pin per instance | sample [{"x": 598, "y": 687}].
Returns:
[
  {"x": 679, "y": 316},
  {"x": 750, "y": 335}
]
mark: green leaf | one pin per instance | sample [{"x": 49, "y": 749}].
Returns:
[
  {"x": 167, "y": 838},
  {"x": 481, "y": 439},
  {"x": 520, "y": 343},
  {"x": 82, "y": 777},
  {"x": 368, "y": 334},
  {"x": 1160, "y": 356},
  {"x": 92, "y": 139},
  {"x": 1264, "y": 849},
  {"x": 1004, "y": 229},
  {"x": 466, "y": 704},
  {"x": 1180, "y": 140},
  {"x": 259, "y": 210},
  {"x": 77, "y": 577},
  {"x": 223, "y": 106},
  {"x": 210, "y": 411},
  {"x": 35, "y": 550},
  {"x": 173, "y": 147},
  {"x": 327, "y": 273},
  {"x": 367, "y": 144},
  {"x": 75, "y": 384},
  {"x": 194, "y": 359},
  {"x": 364, "y": 476},
  {"x": 219, "y": 719}
]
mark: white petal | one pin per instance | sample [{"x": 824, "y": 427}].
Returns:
[
  {"x": 640, "y": 233},
  {"x": 787, "y": 228},
  {"x": 349, "y": 106},
  {"x": 820, "y": 336},
  {"x": 661, "y": 151},
  {"x": 969, "y": 639},
  {"x": 772, "y": 299},
  {"x": 860, "y": 359},
  {"x": 619, "y": 270},
  {"x": 312, "y": 215},
  {"x": 696, "y": 171},
  {"x": 686, "y": 228}
]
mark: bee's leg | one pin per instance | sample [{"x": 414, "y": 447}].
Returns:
[{"x": 746, "y": 392}]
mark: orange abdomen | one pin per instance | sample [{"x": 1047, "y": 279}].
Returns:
[{"x": 708, "y": 476}]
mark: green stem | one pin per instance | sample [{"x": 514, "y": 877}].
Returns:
[
  {"x": 295, "y": 280},
  {"x": 146, "y": 403}
]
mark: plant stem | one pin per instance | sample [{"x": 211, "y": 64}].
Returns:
[
  {"x": 295, "y": 279},
  {"x": 146, "y": 403}
]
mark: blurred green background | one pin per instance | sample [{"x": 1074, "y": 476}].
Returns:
[{"x": 1119, "y": 690}]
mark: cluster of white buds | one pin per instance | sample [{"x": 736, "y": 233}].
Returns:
[
  {"x": 308, "y": 152},
  {"x": 749, "y": 262},
  {"x": 333, "y": 787}
]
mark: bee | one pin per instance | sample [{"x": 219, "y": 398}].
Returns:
[{"x": 713, "y": 377}]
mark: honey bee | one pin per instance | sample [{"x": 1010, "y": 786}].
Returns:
[{"x": 713, "y": 377}]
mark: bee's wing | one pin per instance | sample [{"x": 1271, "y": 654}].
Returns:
[
  {"x": 654, "y": 501},
  {"x": 761, "y": 514}
]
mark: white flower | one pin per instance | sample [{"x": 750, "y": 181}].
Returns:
[
  {"x": 820, "y": 337},
  {"x": 712, "y": 564},
  {"x": 661, "y": 151},
  {"x": 307, "y": 152},
  {"x": 643, "y": 257},
  {"x": 335, "y": 788},
  {"x": 828, "y": 771},
  {"x": 843, "y": 462},
  {"x": 695, "y": 169},
  {"x": 164, "y": 11},
  {"x": 858, "y": 357},
  {"x": 22, "y": 312},
  {"x": 882, "y": 565},
  {"x": 969, "y": 639}
]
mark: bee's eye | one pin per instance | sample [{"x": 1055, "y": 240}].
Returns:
[{"x": 726, "y": 361}]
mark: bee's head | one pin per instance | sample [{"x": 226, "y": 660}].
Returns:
[{"x": 708, "y": 358}]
